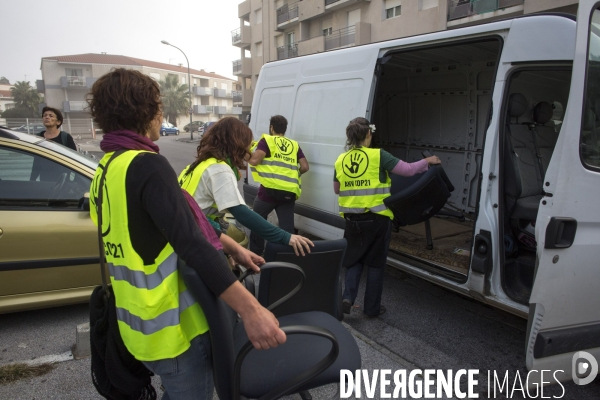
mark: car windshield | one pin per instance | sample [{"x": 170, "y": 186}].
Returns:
[{"x": 65, "y": 151}]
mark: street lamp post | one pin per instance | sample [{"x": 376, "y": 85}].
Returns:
[{"x": 189, "y": 86}]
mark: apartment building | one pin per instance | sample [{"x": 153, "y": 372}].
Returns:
[
  {"x": 67, "y": 79},
  {"x": 6, "y": 98},
  {"x": 273, "y": 30}
]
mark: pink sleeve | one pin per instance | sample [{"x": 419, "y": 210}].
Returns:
[
  {"x": 336, "y": 187},
  {"x": 406, "y": 169}
]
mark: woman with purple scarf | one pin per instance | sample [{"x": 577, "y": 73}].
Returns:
[{"x": 147, "y": 224}]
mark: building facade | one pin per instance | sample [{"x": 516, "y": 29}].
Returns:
[
  {"x": 273, "y": 30},
  {"x": 67, "y": 79}
]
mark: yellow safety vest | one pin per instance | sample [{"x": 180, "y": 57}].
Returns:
[
  {"x": 157, "y": 315},
  {"x": 361, "y": 191},
  {"x": 280, "y": 171},
  {"x": 191, "y": 181}
]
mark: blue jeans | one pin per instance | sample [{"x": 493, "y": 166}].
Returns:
[{"x": 189, "y": 375}]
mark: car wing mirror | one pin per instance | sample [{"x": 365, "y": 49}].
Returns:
[{"x": 84, "y": 202}]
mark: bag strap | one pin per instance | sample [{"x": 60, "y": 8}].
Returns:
[
  {"x": 99, "y": 213},
  {"x": 63, "y": 138}
]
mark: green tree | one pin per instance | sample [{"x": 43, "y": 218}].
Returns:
[
  {"x": 175, "y": 98},
  {"x": 25, "y": 96},
  {"x": 4, "y": 81}
]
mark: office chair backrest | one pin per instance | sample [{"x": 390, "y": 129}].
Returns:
[
  {"x": 222, "y": 320},
  {"x": 417, "y": 198},
  {"x": 322, "y": 287}
]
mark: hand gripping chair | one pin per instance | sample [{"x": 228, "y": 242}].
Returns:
[
  {"x": 310, "y": 358},
  {"x": 417, "y": 198},
  {"x": 322, "y": 290}
]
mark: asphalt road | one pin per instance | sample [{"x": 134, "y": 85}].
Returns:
[{"x": 425, "y": 327}]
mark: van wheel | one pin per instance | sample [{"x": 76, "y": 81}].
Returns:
[
  {"x": 162, "y": 133},
  {"x": 177, "y": 133}
]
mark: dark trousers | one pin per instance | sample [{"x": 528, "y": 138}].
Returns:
[
  {"x": 368, "y": 244},
  {"x": 285, "y": 214}
]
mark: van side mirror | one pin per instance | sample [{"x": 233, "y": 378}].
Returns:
[{"x": 84, "y": 202}]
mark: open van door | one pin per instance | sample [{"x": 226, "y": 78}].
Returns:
[{"x": 564, "y": 312}]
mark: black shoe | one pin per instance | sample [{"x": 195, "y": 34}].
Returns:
[
  {"x": 346, "y": 306},
  {"x": 381, "y": 311}
]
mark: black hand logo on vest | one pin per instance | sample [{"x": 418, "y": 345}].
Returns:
[
  {"x": 355, "y": 164},
  {"x": 284, "y": 145}
]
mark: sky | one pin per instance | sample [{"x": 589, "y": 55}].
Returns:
[{"x": 34, "y": 29}]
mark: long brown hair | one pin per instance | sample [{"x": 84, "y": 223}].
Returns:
[{"x": 227, "y": 140}]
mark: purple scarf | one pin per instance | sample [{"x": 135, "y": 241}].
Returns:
[{"x": 129, "y": 140}]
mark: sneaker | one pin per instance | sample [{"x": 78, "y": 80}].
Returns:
[
  {"x": 381, "y": 311},
  {"x": 346, "y": 306}
]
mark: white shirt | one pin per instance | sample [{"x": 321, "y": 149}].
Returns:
[{"x": 218, "y": 185}]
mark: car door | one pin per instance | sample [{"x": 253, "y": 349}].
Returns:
[
  {"x": 564, "y": 316},
  {"x": 48, "y": 246}
]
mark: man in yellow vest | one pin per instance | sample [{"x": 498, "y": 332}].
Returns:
[
  {"x": 362, "y": 182},
  {"x": 277, "y": 163}
]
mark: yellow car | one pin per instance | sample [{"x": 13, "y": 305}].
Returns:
[{"x": 48, "y": 243}]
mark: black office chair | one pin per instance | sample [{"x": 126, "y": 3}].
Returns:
[
  {"x": 310, "y": 357},
  {"x": 417, "y": 198},
  {"x": 322, "y": 290}
]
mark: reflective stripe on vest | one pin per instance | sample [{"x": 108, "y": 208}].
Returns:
[
  {"x": 361, "y": 191},
  {"x": 191, "y": 181},
  {"x": 157, "y": 315},
  {"x": 280, "y": 171}
]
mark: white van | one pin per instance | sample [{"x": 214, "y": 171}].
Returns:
[{"x": 513, "y": 110}]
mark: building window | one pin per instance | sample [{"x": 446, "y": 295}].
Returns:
[
  {"x": 426, "y": 4},
  {"x": 259, "y": 49},
  {"x": 258, "y": 16},
  {"x": 392, "y": 8},
  {"x": 73, "y": 72},
  {"x": 327, "y": 31}
]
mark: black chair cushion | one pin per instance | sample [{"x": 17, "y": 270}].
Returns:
[
  {"x": 417, "y": 198},
  {"x": 292, "y": 358}
]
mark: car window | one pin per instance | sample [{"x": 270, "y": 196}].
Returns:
[{"x": 30, "y": 180}]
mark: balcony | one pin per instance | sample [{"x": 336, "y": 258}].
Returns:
[
  {"x": 83, "y": 82},
  {"x": 220, "y": 93},
  {"x": 247, "y": 96},
  {"x": 198, "y": 109},
  {"x": 202, "y": 91},
  {"x": 71, "y": 106},
  {"x": 287, "y": 51},
  {"x": 332, "y": 5},
  {"x": 237, "y": 96},
  {"x": 236, "y": 110},
  {"x": 242, "y": 67},
  {"x": 287, "y": 15},
  {"x": 341, "y": 38},
  {"x": 308, "y": 9},
  {"x": 242, "y": 36},
  {"x": 219, "y": 110},
  {"x": 458, "y": 9},
  {"x": 244, "y": 8}
]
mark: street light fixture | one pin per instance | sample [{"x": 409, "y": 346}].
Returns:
[{"x": 189, "y": 86}]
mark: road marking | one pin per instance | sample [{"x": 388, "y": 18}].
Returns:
[{"x": 51, "y": 359}]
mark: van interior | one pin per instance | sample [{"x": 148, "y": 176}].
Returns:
[{"x": 439, "y": 99}]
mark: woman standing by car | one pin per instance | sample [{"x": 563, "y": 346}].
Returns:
[
  {"x": 212, "y": 181},
  {"x": 362, "y": 181},
  {"x": 52, "y": 120},
  {"x": 147, "y": 225}
]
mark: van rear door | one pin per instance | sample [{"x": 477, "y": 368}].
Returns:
[{"x": 564, "y": 313}]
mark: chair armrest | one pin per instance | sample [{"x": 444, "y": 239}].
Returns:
[
  {"x": 281, "y": 264},
  {"x": 298, "y": 380}
]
